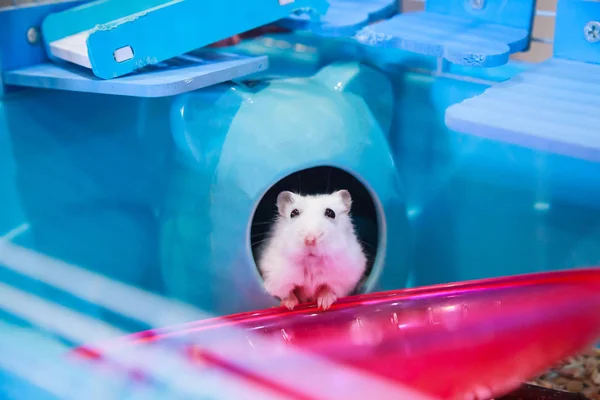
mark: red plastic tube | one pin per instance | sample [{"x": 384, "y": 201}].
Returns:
[{"x": 467, "y": 340}]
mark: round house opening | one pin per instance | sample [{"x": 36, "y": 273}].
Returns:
[{"x": 321, "y": 180}]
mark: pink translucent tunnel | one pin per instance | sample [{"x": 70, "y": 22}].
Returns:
[{"x": 467, "y": 340}]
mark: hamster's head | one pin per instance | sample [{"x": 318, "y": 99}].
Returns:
[{"x": 315, "y": 224}]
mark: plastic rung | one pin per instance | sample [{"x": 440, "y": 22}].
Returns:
[
  {"x": 189, "y": 72},
  {"x": 552, "y": 107},
  {"x": 343, "y": 18},
  {"x": 459, "y": 40}
]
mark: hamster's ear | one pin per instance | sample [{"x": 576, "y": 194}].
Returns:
[
  {"x": 283, "y": 199},
  {"x": 346, "y": 199}
]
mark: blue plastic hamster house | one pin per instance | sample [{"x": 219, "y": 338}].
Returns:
[{"x": 241, "y": 145}]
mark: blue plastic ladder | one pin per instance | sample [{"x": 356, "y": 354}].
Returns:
[
  {"x": 554, "y": 106},
  {"x": 114, "y": 38}
]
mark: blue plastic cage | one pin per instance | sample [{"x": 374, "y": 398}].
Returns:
[{"x": 124, "y": 186}]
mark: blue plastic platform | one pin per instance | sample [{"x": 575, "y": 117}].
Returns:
[
  {"x": 343, "y": 18},
  {"x": 554, "y": 106},
  {"x": 189, "y": 72},
  {"x": 454, "y": 31}
]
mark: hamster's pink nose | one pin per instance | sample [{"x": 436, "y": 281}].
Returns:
[{"x": 310, "y": 240}]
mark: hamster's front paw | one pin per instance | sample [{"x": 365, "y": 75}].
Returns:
[
  {"x": 325, "y": 298},
  {"x": 290, "y": 301}
]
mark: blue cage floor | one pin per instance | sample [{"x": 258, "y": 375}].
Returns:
[{"x": 554, "y": 106}]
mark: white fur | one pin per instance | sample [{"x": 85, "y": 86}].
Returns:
[{"x": 337, "y": 260}]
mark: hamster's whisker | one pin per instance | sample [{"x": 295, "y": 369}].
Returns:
[
  {"x": 258, "y": 242},
  {"x": 367, "y": 244},
  {"x": 259, "y": 234},
  {"x": 262, "y": 223}
]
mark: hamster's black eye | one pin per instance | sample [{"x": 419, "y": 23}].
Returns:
[
  {"x": 329, "y": 213},
  {"x": 294, "y": 213}
]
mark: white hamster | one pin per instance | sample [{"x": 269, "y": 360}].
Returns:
[{"x": 312, "y": 253}]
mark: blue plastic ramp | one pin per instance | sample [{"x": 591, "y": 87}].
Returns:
[
  {"x": 479, "y": 33},
  {"x": 554, "y": 106},
  {"x": 116, "y": 37},
  {"x": 343, "y": 18}
]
